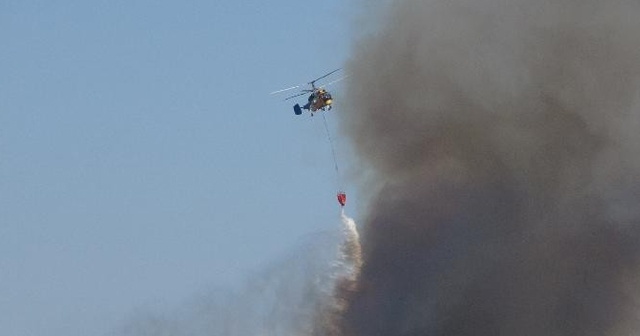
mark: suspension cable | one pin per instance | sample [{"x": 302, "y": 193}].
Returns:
[{"x": 333, "y": 151}]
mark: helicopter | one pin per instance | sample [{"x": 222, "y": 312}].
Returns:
[{"x": 319, "y": 98}]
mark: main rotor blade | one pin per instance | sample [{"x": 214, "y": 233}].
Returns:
[
  {"x": 298, "y": 95},
  {"x": 287, "y": 89},
  {"x": 319, "y": 78},
  {"x": 335, "y": 81}
]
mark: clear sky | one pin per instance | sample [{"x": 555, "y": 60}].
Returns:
[{"x": 141, "y": 157}]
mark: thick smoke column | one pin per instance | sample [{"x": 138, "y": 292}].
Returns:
[{"x": 501, "y": 144}]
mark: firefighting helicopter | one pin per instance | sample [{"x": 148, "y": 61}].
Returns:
[{"x": 319, "y": 98}]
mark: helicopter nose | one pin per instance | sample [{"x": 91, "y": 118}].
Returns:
[{"x": 328, "y": 101}]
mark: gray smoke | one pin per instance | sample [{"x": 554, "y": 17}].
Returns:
[
  {"x": 283, "y": 299},
  {"x": 500, "y": 144}
]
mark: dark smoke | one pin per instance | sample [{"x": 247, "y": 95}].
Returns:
[{"x": 501, "y": 145}]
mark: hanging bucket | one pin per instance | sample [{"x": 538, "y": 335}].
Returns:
[{"x": 342, "y": 198}]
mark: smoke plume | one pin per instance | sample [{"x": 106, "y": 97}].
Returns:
[
  {"x": 302, "y": 294},
  {"x": 500, "y": 145},
  {"x": 282, "y": 299}
]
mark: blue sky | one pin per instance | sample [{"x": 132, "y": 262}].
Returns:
[{"x": 141, "y": 157}]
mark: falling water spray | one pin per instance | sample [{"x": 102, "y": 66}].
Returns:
[
  {"x": 349, "y": 264},
  {"x": 351, "y": 249}
]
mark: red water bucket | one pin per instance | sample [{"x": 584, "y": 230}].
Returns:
[{"x": 342, "y": 198}]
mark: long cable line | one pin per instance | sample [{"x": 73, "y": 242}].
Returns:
[
  {"x": 341, "y": 195},
  {"x": 333, "y": 151}
]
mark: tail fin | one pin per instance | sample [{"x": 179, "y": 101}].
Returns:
[{"x": 297, "y": 109}]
